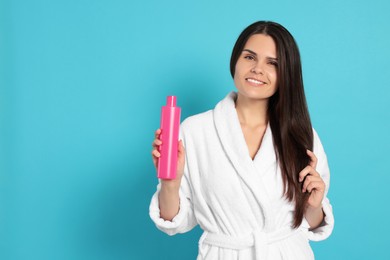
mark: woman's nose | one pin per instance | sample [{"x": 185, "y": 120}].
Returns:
[{"x": 257, "y": 68}]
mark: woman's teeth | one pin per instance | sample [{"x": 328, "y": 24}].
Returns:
[{"x": 255, "y": 81}]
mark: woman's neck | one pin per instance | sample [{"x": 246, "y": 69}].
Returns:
[{"x": 252, "y": 113}]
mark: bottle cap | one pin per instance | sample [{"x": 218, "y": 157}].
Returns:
[{"x": 171, "y": 101}]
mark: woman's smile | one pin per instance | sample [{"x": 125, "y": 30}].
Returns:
[{"x": 255, "y": 82}]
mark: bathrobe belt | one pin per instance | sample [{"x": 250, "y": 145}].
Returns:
[{"x": 258, "y": 239}]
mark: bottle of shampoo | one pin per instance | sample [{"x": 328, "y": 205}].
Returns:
[{"x": 170, "y": 123}]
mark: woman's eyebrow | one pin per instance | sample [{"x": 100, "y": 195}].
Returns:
[{"x": 252, "y": 52}]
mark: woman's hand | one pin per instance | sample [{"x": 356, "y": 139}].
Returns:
[
  {"x": 312, "y": 183},
  {"x": 180, "y": 160},
  {"x": 169, "y": 201}
]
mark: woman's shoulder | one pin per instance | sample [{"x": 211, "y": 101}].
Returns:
[
  {"x": 195, "y": 122},
  {"x": 317, "y": 144},
  {"x": 198, "y": 119}
]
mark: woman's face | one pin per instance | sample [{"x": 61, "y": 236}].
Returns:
[{"x": 255, "y": 76}]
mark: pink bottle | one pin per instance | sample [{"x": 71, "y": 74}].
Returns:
[{"x": 170, "y": 122}]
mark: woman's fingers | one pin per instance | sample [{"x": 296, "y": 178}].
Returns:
[
  {"x": 156, "y": 153},
  {"x": 312, "y": 182},
  {"x": 181, "y": 148},
  {"x": 313, "y": 159},
  {"x": 156, "y": 143},
  {"x": 315, "y": 185},
  {"x": 308, "y": 170},
  {"x": 155, "y": 156},
  {"x": 181, "y": 158},
  {"x": 157, "y": 133}
]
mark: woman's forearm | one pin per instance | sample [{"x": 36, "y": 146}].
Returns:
[
  {"x": 169, "y": 201},
  {"x": 314, "y": 217}
]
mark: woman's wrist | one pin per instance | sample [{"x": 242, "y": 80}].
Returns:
[
  {"x": 314, "y": 216},
  {"x": 170, "y": 185},
  {"x": 169, "y": 200},
  {"x": 314, "y": 209}
]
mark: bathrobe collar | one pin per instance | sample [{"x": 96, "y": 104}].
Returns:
[{"x": 233, "y": 142}]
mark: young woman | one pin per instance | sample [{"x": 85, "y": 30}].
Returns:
[{"x": 253, "y": 173}]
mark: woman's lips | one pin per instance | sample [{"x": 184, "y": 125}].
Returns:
[{"x": 255, "y": 82}]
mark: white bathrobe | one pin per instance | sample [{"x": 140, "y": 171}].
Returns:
[{"x": 237, "y": 201}]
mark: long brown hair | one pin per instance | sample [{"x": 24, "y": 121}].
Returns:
[{"x": 287, "y": 111}]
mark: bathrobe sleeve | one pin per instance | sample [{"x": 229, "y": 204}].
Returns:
[
  {"x": 185, "y": 219},
  {"x": 325, "y": 229}
]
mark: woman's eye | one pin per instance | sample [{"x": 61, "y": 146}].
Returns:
[
  {"x": 273, "y": 63},
  {"x": 249, "y": 57}
]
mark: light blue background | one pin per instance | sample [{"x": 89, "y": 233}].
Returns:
[{"x": 82, "y": 85}]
